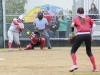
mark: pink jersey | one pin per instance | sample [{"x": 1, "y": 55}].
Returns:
[{"x": 83, "y": 27}]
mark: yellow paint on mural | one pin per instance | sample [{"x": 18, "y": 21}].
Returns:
[{"x": 31, "y": 15}]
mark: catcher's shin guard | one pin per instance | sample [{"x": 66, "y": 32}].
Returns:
[
  {"x": 42, "y": 42},
  {"x": 28, "y": 47}
]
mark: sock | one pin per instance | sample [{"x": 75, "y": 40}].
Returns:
[
  {"x": 10, "y": 44},
  {"x": 74, "y": 59},
  {"x": 93, "y": 62}
]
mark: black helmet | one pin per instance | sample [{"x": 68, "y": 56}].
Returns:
[
  {"x": 36, "y": 34},
  {"x": 40, "y": 15}
]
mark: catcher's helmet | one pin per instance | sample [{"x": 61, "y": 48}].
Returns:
[
  {"x": 40, "y": 15},
  {"x": 36, "y": 34}
]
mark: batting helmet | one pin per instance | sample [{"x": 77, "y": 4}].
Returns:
[
  {"x": 21, "y": 17},
  {"x": 40, "y": 15}
]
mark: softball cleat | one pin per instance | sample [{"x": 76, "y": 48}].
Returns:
[
  {"x": 95, "y": 70},
  {"x": 74, "y": 67},
  {"x": 10, "y": 50}
]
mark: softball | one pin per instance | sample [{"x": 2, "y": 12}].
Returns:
[{"x": 27, "y": 32}]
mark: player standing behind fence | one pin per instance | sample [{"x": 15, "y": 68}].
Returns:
[
  {"x": 84, "y": 33},
  {"x": 40, "y": 22},
  {"x": 14, "y": 31},
  {"x": 49, "y": 18},
  {"x": 62, "y": 25},
  {"x": 93, "y": 12}
]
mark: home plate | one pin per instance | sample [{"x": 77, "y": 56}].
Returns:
[{"x": 1, "y": 58}]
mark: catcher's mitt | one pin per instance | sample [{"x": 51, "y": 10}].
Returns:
[{"x": 71, "y": 39}]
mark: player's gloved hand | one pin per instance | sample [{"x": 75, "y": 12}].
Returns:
[{"x": 71, "y": 38}]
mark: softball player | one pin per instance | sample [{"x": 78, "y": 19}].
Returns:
[
  {"x": 40, "y": 23},
  {"x": 36, "y": 40},
  {"x": 84, "y": 33},
  {"x": 13, "y": 33}
]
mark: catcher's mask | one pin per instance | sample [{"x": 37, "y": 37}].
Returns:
[
  {"x": 37, "y": 34},
  {"x": 40, "y": 15}
]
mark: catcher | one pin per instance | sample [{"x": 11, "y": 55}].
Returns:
[{"x": 35, "y": 40}]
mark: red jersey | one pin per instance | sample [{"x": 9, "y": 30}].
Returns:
[
  {"x": 34, "y": 39},
  {"x": 49, "y": 18},
  {"x": 83, "y": 27}
]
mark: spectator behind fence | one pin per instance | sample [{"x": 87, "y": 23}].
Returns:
[
  {"x": 49, "y": 18},
  {"x": 93, "y": 12},
  {"x": 62, "y": 24},
  {"x": 54, "y": 27}
]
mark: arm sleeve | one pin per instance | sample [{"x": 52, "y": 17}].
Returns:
[
  {"x": 91, "y": 21},
  {"x": 34, "y": 24},
  {"x": 15, "y": 22},
  {"x": 73, "y": 21},
  {"x": 93, "y": 29},
  {"x": 21, "y": 27}
]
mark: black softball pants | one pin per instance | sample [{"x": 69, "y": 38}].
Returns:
[{"x": 80, "y": 38}]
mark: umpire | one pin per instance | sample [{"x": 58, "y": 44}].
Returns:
[{"x": 40, "y": 22}]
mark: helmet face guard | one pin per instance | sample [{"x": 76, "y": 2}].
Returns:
[{"x": 36, "y": 34}]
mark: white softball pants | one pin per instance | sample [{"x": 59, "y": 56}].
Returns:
[{"x": 13, "y": 36}]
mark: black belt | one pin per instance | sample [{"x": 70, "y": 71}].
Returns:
[{"x": 41, "y": 30}]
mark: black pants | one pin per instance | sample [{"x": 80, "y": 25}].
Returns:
[
  {"x": 35, "y": 45},
  {"x": 78, "y": 41}
]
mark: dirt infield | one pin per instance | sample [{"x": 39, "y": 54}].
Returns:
[{"x": 56, "y": 61}]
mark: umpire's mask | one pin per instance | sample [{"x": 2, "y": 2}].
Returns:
[{"x": 40, "y": 15}]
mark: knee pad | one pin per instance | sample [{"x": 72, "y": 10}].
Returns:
[{"x": 42, "y": 39}]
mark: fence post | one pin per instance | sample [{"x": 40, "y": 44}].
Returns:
[{"x": 1, "y": 25}]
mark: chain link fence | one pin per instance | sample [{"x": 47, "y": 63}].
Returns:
[{"x": 30, "y": 8}]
